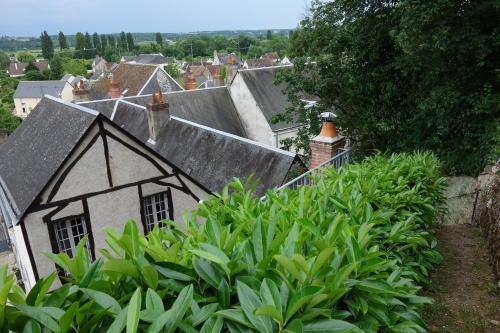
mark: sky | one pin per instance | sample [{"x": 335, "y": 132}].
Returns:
[{"x": 30, "y": 17}]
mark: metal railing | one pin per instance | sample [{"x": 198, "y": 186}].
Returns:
[{"x": 337, "y": 162}]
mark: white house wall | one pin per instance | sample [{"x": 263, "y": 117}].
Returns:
[
  {"x": 21, "y": 254},
  {"x": 255, "y": 123}
]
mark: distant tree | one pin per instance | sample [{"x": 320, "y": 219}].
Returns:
[
  {"x": 4, "y": 60},
  {"x": 269, "y": 35},
  {"x": 112, "y": 41},
  {"x": 104, "y": 42},
  {"x": 159, "y": 39},
  {"x": 173, "y": 70},
  {"x": 88, "y": 41},
  {"x": 34, "y": 75},
  {"x": 79, "y": 41},
  {"x": 62, "y": 41},
  {"x": 56, "y": 67},
  {"x": 25, "y": 57},
  {"x": 47, "y": 45},
  {"x": 96, "y": 41},
  {"x": 110, "y": 54},
  {"x": 31, "y": 67},
  {"x": 254, "y": 51},
  {"x": 130, "y": 42},
  {"x": 8, "y": 120},
  {"x": 122, "y": 41},
  {"x": 75, "y": 66}
]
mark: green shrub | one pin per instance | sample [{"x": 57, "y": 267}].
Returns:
[{"x": 345, "y": 255}]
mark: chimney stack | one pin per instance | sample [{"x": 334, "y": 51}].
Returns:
[
  {"x": 80, "y": 93},
  {"x": 189, "y": 80},
  {"x": 158, "y": 112},
  {"x": 114, "y": 89},
  {"x": 327, "y": 144},
  {"x": 231, "y": 68}
]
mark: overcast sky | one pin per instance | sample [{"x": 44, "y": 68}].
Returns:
[{"x": 30, "y": 17}]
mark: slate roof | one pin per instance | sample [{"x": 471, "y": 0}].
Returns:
[
  {"x": 210, "y": 156},
  {"x": 260, "y": 63},
  {"x": 37, "y": 148},
  {"x": 210, "y": 107},
  {"x": 37, "y": 89},
  {"x": 269, "y": 97},
  {"x": 148, "y": 59},
  {"x": 17, "y": 68}
]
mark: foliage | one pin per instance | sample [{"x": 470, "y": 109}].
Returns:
[
  {"x": 8, "y": 121},
  {"x": 344, "y": 255},
  {"x": 96, "y": 41},
  {"x": 130, "y": 42},
  {"x": 122, "y": 41},
  {"x": 87, "y": 41},
  {"x": 4, "y": 60},
  {"x": 56, "y": 67},
  {"x": 75, "y": 66},
  {"x": 25, "y": 57},
  {"x": 8, "y": 86},
  {"x": 34, "y": 75},
  {"x": 79, "y": 41},
  {"x": 63, "y": 44},
  {"x": 159, "y": 39},
  {"x": 404, "y": 75},
  {"x": 47, "y": 45},
  {"x": 173, "y": 70}
]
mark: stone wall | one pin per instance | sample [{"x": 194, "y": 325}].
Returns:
[
  {"x": 487, "y": 211},
  {"x": 460, "y": 194}
]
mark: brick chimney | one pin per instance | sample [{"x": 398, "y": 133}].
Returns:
[
  {"x": 327, "y": 143},
  {"x": 231, "y": 68},
  {"x": 80, "y": 92},
  {"x": 114, "y": 89},
  {"x": 158, "y": 112},
  {"x": 190, "y": 82}
]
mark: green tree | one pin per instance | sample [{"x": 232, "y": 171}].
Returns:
[
  {"x": 159, "y": 39},
  {"x": 254, "y": 51},
  {"x": 56, "y": 67},
  {"x": 25, "y": 57},
  {"x": 62, "y": 41},
  {"x": 172, "y": 70},
  {"x": 79, "y": 41},
  {"x": 47, "y": 45},
  {"x": 130, "y": 42},
  {"x": 122, "y": 41},
  {"x": 96, "y": 41},
  {"x": 4, "y": 60},
  {"x": 8, "y": 121},
  {"x": 269, "y": 35},
  {"x": 34, "y": 75},
  {"x": 110, "y": 54},
  {"x": 112, "y": 41},
  {"x": 88, "y": 41},
  {"x": 402, "y": 75},
  {"x": 104, "y": 42},
  {"x": 75, "y": 67}
]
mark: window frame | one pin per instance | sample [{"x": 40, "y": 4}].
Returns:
[
  {"x": 53, "y": 233},
  {"x": 169, "y": 207}
]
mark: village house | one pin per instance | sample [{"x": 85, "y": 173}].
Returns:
[
  {"x": 258, "y": 63},
  {"x": 257, "y": 100},
  {"x": 222, "y": 58},
  {"x": 132, "y": 80},
  {"x": 29, "y": 93},
  {"x": 18, "y": 69},
  {"x": 69, "y": 170}
]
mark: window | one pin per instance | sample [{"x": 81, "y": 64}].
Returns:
[
  {"x": 157, "y": 208},
  {"x": 24, "y": 109},
  {"x": 69, "y": 232}
]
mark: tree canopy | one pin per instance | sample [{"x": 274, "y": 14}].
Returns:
[
  {"x": 403, "y": 75},
  {"x": 47, "y": 45},
  {"x": 63, "y": 44}
]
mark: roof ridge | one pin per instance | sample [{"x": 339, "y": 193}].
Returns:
[{"x": 73, "y": 105}]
